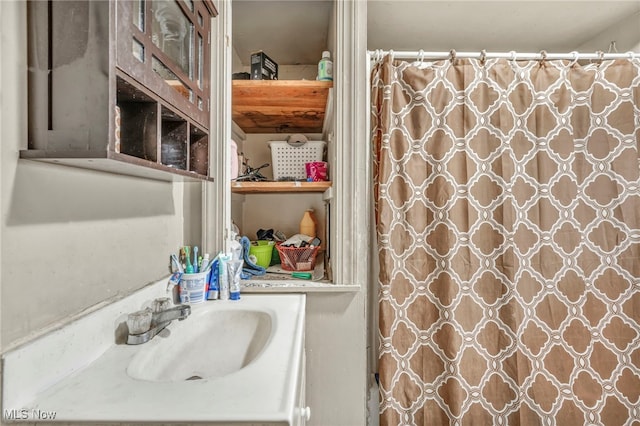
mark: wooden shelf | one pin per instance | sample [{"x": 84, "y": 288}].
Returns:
[
  {"x": 280, "y": 106},
  {"x": 267, "y": 187}
]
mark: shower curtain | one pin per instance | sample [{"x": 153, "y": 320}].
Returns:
[{"x": 508, "y": 225}]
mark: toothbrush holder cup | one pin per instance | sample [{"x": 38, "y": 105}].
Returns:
[{"x": 193, "y": 287}]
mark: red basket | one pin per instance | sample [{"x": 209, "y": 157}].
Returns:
[{"x": 297, "y": 258}]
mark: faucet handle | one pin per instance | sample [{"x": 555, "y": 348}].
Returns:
[
  {"x": 161, "y": 304},
  {"x": 140, "y": 321}
]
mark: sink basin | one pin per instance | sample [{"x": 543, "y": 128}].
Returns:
[
  {"x": 206, "y": 345},
  {"x": 229, "y": 362}
]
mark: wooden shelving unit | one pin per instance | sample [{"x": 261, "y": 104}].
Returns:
[
  {"x": 280, "y": 106},
  {"x": 281, "y": 187}
]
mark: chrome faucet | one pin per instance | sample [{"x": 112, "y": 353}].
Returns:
[{"x": 144, "y": 325}]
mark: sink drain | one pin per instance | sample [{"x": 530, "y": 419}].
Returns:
[{"x": 195, "y": 378}]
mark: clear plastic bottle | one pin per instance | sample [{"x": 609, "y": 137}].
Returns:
[
  {"x": 325, "y": 67},
  {"x": 308, "y": 224}
]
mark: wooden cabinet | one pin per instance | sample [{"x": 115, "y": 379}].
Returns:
[{"x": 121, "y": 86}]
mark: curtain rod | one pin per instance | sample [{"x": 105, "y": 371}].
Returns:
[{"x": 378, "y": 54}]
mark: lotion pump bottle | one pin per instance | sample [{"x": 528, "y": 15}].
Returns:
[{"x": 325, "y": 67}]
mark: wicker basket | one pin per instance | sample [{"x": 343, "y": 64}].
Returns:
[{"x": 297, "y": 258}]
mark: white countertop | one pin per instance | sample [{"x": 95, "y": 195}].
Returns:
[{"x": 263, "y": 391}]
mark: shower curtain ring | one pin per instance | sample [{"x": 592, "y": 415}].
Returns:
[
  {"x": 452, "y": 55},
  {"x": 575, "y": 59},
  {"x": 543, "y": 56},
  {"x": 600, "y": 57},
  {"x": 391, "y": 54},
  {"x": 513, "y": 55},
  {"x": 421, "y": 56},
  {"x": 631, "y": 55},
  {"x": 483, "y": 57}
]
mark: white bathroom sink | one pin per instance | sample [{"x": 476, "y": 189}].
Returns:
[
  {"x": 229, "y": 362},
  {"x": 206, "y": 345}
]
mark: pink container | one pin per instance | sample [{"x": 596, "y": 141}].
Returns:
[{"x": 316, "y": 171}]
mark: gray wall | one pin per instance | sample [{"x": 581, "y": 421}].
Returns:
[{"x": 73, "y": 238}]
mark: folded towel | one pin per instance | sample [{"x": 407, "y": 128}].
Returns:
[{"x": 249, "y": 267}]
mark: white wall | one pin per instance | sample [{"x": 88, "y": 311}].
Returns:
[
  {"x": 625, "y": 33},
  {"x": 73, "y": 238},
  {"x": 285, "y": 72}
]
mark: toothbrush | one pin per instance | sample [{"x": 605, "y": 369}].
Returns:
[
  {"x": 204, "y": 266},
  {"x": 174, "y": 258},
  {"x": 182, "y": 261},
  {"x": 189, "y": 268},
  {"x": 195, "y": 259}
]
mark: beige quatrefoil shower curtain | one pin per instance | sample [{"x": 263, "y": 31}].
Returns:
[{"x": 508, "y": 224}]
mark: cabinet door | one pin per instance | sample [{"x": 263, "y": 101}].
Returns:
[{"x": 165, "y": 45}]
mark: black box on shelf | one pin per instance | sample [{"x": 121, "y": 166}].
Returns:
[{"x": 263, "y": 67}]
